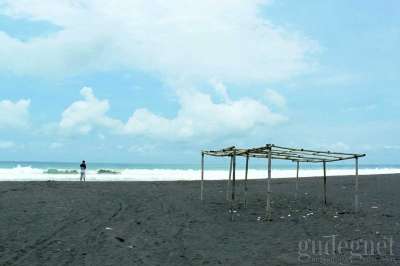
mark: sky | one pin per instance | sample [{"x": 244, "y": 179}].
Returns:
[{"x": 158, "y": 81}]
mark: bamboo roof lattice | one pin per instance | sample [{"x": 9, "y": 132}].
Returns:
[{"x": 284, "y": 153}]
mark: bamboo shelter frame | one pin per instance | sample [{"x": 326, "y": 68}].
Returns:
[{"x": 274, "y": 152}]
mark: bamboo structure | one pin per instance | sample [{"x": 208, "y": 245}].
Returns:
[
  {"x": 233, "y": 185},
  {"x": 229, "y": 179},
  {"x": 268, "y": 215},
  {"x": 273, "y": 152},
  {"x": 356, "y": 188},
  {"x": 245, "y": 180},
  {"x": 202, "y": 176},
  {"x": 324, "y": 182},
  {"x": 297, "y": 178}
]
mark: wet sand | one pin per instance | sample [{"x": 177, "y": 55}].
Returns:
[{"x": 165, "y": 223}]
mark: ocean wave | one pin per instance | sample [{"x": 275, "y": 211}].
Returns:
[
  {"x": 60, "y": 172},
  {"x": 28, "y": 173},
  {"x": 107, "y": 172}
]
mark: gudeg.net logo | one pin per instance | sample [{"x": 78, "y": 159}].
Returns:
[{"x": 331, "y": 249}]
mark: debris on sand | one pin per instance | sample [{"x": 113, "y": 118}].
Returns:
[{"x": 120, "y": 239}]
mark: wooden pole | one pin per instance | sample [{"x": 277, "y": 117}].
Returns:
[
  {"x": 233, "y": 184},
  {"x": 324, "y": 182},
  {"x": 245, "y": 180},
  {"x": 268, "y": 207},
  {"x": 202, "y": 176},
  {"x": 297, "y": 178},
  {"x": 356, "y": 203},
  {"x": 229, "y": 179}
]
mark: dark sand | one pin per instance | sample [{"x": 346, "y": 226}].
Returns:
[{"x": 164, "y": 223}]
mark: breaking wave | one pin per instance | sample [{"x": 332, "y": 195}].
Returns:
[{"x": 28, "y": 173}]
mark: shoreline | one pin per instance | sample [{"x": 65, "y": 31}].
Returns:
[
  {"x": 23, "y": 175},
  {"x": 240, "y": 179}
]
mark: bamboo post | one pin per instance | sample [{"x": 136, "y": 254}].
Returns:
[
  {"x": 297, "y": 178},
  {"x": 325, "y": 182},
  {"x": 356, "y": 203},
  {"x": 229, "y": 179},
  {"x": 268, "y": 207},
  {"x": 202, "y": 176},
  {"x": 245, "y": 180},
  {"x": 233, "y": 184}
]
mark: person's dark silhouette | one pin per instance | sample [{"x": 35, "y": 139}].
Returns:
[{"x": 83, "y": 171}]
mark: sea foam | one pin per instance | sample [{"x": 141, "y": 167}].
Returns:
[{"x": 28, "y": 173}]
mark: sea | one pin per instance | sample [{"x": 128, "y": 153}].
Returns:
[{"x": 68, "y": 171}]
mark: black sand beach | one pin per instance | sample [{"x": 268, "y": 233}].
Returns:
[{"x": 164, "y": 223}]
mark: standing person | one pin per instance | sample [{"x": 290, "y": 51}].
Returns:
[{"x": 83, "y": 171}]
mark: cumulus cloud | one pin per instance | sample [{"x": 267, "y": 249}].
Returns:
[
  {"x": 85, "y": 115},
  {"x": 275, "y": 98},
  {"x": 14, "y": 114},
  {"x": 200, "y": 116},
  {"x": 196, "y": 40}
]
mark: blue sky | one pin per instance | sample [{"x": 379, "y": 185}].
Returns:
[{"x": 134, "y": 81}]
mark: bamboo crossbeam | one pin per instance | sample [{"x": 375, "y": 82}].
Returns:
[
  {"x": 290, "y": 156},
  {"x": 306, "y": 154},
  {"x": 326, "y": 152},
  {"x": 279, "y": 149},
  {"x": 295, "y": 156},
  {"x": 276, "y": 148}
]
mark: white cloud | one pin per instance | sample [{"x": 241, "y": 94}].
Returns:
[
  {"x": 83, "y": 116},
  {"x": 392, "y": 147},
  {"x": 56, "y": 145},
  {"x": 14, "y": 114},
  {"x": 6, "y": 145},
  {"x": 142, "y": 148},
  {"x": 338, "y": 147},
  {"x": 275, "y": 98},
  {"x": 199, "y": 116},
  {"x": 329, "y": 78},
  {"x": 221, "y": 90},
  {"x": 196, "y": 40},
  {"x": 365, "y": 108}
]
